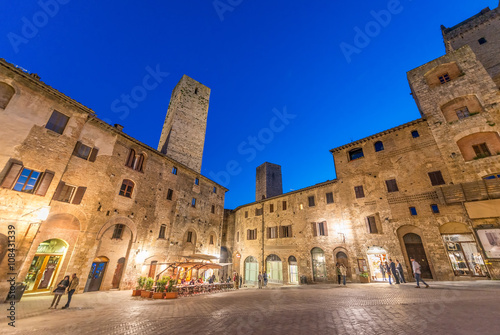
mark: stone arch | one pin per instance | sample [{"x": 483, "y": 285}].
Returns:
[
  {"x": 454, "y": 228},
  {"x": 62, "y": 221},
  {"x": 470, "y": 101},
  {"x": 119, "y": 220},
  {"x": 341, "y": 255},
  {"x": 451, "y": 69},
  {"x": 6, "y": 93},
  {"x": 490, "y": 138},
  {"x": 403, "y": 234}
]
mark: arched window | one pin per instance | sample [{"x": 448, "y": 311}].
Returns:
[
  {"x": 130, "y": 159},
  {"x": 379, "y": 146},
  {"x": 6, "y": 93},
  {"x": 127, "y": 188},
  {"x": 356, "y": 154},
  {"x": 479, "y": 145}
]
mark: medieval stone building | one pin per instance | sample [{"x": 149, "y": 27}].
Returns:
[
  {"x": 79, "y": 195},
  {"x": 428, "y": 189}
]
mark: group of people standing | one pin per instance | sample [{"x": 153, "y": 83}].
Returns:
[
  {"x": 341, "y": 273},
  {"x": 262, "y": 279},
  {"x": 64, "y": 285},
  {"x": 395, "y": 271}
]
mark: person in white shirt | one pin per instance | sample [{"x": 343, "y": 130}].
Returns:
[{"x": 417, "y": 272}]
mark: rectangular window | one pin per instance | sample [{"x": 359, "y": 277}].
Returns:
[
  {"x": 311, "y": 201},
  {"x": 436, "y": 178},
  {"x": 251, "y": 234},
  {"x": 444, "y": 78},
  {"x": 271, "y": 208},
  {"x": 213, "y": 209},
  {"x": 193, "y": 202},
  {"x": 66, "y": 193},
  {"x": 246, "y": 214},
  {"x": 215, "y": 189},
  {"x": 413, "y": 211},
  {"x": 197, "y": 181},
  {"x": 481, "y": 150},
  {"x": 163, "y": 228},
  {"x": 82, "y": 151},
  {"x": 174, "y": 170},
  {"x": 329, "y": 198},
  {"x": 258, "y": 211},
  {"x": 170, "y": 194},
  {"x": 190, "y": 236},
  {"x": 415, "y": 134},
  {"x": 272, "y": 232},
  {"x": 211, "y": 239},
  {"x": 27, "y": 181},
  {"x": 482, "y": 40},
  {"x": 372, "y": 225},
  {"x": 127, "y": 188},
  {"x": 57, "y": 122},
  {"x": 392, "y": 186},
  {"x": 118, "y": 232},
  {"x": 463, "y": 112},
  {"x": 283, "y": 205},
  {"x": 435, "y": 209},
  {"x": 286, "y": 231},
  {"x": 360, "y": 193},
  {"x": 322, "y": 228}
]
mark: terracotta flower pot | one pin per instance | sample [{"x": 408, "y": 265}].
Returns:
[
  {"x": 171, "y": 295},
  {"x": 136, "y": 293},
  {"x": 158, "y": 295},
  {"x": 146, "y": 294}
]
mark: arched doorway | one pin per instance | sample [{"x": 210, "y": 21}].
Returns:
[
  {"x": 96, "y": 274},
  {"x": 377, "y": 256},
  {"x": 45, "y": 265},
  {"x": 465, "y": 258},
  {"x": 225, "y": 257},
  {"x": 251, "y": 270},
  {"x": 415, "y": 249},
  {"x": 318, "y": 264},
  {"x": 274, "y": 269},
  {"x": 293, "y": 270},
  {"x": 341, "y": 258},
  {"x": 118, "y": 273}
]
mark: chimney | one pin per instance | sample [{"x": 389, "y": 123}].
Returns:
[{"x": 119, "y": 127}]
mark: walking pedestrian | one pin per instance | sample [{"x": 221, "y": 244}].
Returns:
[
  {"x": 237, "y": 281},
  {"x": 339, "y": 274},
  {"x": 241, "y": 281},
  {"x": 417, "y": 272},
  {"x": 264, "y": 276},
  {"x": 393, "y": 271},
  {"x": 260, "y": 279},
  {"x": 73, "y": 284},
  {"x": 343, "y": 272},
  {"x": 399, "y": 268},
  {"x": 382, "y": 270},
  {"x": 59, "y": 291},
  {"x": 388, "y": 271}
]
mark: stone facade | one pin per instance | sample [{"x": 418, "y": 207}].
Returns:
[
  {"x": 102, "y": 198},
  {"x": 426, "y": 189},
  {"x": 268, "y": 181}
]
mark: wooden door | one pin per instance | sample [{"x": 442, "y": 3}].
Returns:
[
  {"x": 415, "y": 248},
  {"x": 118, "y": 273}
]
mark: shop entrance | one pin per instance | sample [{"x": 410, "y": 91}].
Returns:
[
  {"x": 464, "y": 256},
  {"x": 274, "y": 269},
  {"x": 415, "y": 248},
  {"x": 45, "y": 265},
  {"x": 118, "y": 273},
  {"x": 319, "y": 264},
  {"x": 96, "y": 274},
  {"x": 251, "y": 270},
  {"x": 376, "y": 259},
  {"x": 293, "y": 270}
]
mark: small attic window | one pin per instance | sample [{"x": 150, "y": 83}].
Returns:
[
  {"x": 482, "y": 40},
  {"x": 444, "y": 78}
]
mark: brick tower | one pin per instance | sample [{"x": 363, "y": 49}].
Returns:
[
  {"x": 183, "y": 134},
  {"x": 268, "y": 181}
]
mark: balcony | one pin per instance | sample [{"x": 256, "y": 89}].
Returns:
[{"x": 485, "y": 189}]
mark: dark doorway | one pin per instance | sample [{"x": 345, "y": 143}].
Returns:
[
  {"x": 118, "y": 273},
  {"x": 415, "y": 249},
  {"x": 95, "y": 276},
  {"x": 342, "y": 259}
]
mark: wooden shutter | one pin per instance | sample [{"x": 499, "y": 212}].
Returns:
[
  {"x": 325, "y": 227},
  {"x": 11, "y": 176},
  {"x": 131, "y": 158},
  {"x": 58, "y": 191},
  {"x": 93, "y": 154},
  {"x": 77, "y": 147},
  {"x": 77, "y": 199},
  {"x": 268, "y": 232},
  {"x": 44, "y": 183},
  {"x": 289, "y": 229},
  {"x": 248, "y": 234},
  {"x": 315, "y": 229}
]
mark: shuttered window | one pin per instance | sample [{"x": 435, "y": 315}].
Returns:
[
  {"x": 69, "y": 194},
  {"x": 57, "y": 122},
  {"x": 118, "y": 232},
  {"x": 251, "y": 234},
  {"x": 436, "y": 178},
  {"x": 286, "y": 231},
  {"x": 311, "y": 201},
  {"x": 258, "y": 211},
  {"x": 271, "y": 208},
  {"x": 272, "y": 232},
  {"x": 25, "y": 180},
  {"x": 360, "y": 193},
  {"x": 329, "y": 198},
  {"x": 320, "y": 228},
  {"x": 83, "y": 151},
  {"x": 283, "y": 205},
  {"x": 392, "y": 186},
  {"x": 372, "y": 225}
]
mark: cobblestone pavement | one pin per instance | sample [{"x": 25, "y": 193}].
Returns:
[{"x": 444, "y": 308}]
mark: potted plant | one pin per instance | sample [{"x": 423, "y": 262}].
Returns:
[
  {"x": 160, "y": 288},
  {"x": 140, "y": 285},
  {"x": 171, "y": 290},
  {"x": 364, "y": 277},
  {"x": 148, "y": 287}
]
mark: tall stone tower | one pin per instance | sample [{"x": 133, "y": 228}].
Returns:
[
  {"x": 268, "y": 181},
  {"x": 183, "y": 134},
  {"x": 482, "y": 33}
]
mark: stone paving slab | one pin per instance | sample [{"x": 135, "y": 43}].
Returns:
[{"x": 445, "y": 308}]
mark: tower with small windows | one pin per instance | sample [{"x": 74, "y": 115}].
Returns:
[
  {"x": 268, "y": 181},
  {"x": 183, "y": 134}
]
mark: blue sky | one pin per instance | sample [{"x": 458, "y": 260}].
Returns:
[{"x": 283, "y": 89}]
